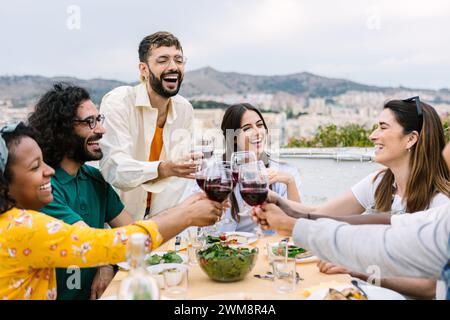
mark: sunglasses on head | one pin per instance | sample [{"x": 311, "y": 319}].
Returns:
[
  {"x": 416, "y": 99},
  {"x": 419, "y": 110}
]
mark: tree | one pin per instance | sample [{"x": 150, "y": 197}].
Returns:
[{"x": 351, "y": 135}]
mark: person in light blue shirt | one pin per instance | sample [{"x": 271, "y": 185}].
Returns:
[
  {"x": 245, "y": 223},
  {"x": 245, "y": 129}
]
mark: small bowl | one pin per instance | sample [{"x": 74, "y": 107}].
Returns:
[{"x": 157, "y": 272}]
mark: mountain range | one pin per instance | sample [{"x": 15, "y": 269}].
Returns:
[{"x": 25, "y": 90}]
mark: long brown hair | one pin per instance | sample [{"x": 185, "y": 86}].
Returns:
[
  {"x": 428, "y": 171},
  {"x": 232, "y": 121}
]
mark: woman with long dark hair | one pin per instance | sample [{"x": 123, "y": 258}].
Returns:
[{"x": 244, "y": 129}]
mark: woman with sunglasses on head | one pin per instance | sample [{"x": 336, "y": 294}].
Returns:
[
  {"x": 33, "y": 244},
  {"x": 408, "y": 141}
]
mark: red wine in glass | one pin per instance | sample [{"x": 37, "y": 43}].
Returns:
[
  {"x": 254, "y": 193},
  {"x": 217, "y": 191},
  {"x": 201, "y": 182},
  {"x": 235, "y": 178}
]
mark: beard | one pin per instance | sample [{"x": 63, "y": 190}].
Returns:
[
  {"x": 157, "y": 86},
  {"x": 78, "y": 149}
]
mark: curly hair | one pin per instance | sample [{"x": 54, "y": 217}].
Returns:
[
  {"x": 12, "y": 140},
  {"x": 53, "y": 118}
]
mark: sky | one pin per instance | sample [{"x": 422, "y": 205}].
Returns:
[{"x": 385, "y": 43}]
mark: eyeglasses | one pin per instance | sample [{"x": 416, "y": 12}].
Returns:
[
  {"x": 164, "y": 61},
  {"x": 92, "y": 121},
  {"x": 416, "y": 99}
]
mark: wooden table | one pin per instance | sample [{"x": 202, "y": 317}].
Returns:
[{"x": 202, "y": 287}]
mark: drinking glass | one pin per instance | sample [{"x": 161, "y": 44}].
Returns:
[
  {"x": 284, "y": 271},
  {"x": 254, "y": 185},
  {"x": 194, "y": 243},
  {"x": 204, "y": 144},
  {"x": 200, "y": 173},
  {"x": 176, "y": 282},
  {"x": 238, "y": 158},
  {"x": 218, "y": 185}
]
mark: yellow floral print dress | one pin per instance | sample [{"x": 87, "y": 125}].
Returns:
[{"x": 33, "y": 244}]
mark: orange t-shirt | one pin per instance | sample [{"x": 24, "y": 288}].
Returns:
[{"x": 155, "y": 152}]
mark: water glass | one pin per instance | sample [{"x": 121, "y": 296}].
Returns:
[
  {"x": 284, "y": 271},
  {"x": 176, "y": 282},
  {"x": 195, "y": 243}
]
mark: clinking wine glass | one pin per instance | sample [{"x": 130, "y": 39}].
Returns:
[
  {"x": 218, "y": 185},
  {"x": 203, "y": 144},
  {"x": 200, "y": 172},
  {"x": 238, "y": 158},
  {"x": 227, "y": 166},
  {"x": 254, "y": 185}
]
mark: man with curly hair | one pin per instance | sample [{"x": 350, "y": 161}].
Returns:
[{"x": 70, "y": 129}]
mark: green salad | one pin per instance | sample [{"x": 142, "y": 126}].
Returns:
[
  {"x": 212, "y": 239},
  {"x": 223, "y": 263},
  {"x": 292, "y": 250},
  {"x": 169, "y": 257}
]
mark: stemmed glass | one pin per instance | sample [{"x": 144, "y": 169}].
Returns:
[
  {"x": 254, "y": 184},
  {"x": 200, "y": 172},
  {"x": 203, "y": 144},
  {"x": 238, "y": 158},
  {"x": 218, "y": 185}
]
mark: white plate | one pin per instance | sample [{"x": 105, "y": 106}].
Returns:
[
  {"x": 126, "y": 266},
  {"x": 373, "y": 292},
  {"x": 251, "y": 237},
  {"x": 307, "y": 259}
]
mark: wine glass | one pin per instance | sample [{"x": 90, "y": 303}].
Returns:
[
  {"x": 238, "y": 158},
  {"x": 254, "y": 184},
  {"x": 203, "y": 144},
  {"x": 200, "y": 172},
  {"x": 218, "y": 185}
]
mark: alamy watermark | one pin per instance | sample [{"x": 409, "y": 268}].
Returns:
[
  {"x": 74, "y": 280},
  {"x": 373, "y": 21},
  {"x": 73, "y": 21}
]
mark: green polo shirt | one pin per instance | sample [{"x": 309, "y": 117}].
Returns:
[{"x": 85, "y": 197}]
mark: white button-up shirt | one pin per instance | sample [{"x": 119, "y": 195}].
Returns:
[{"x": 130, "y": 126}]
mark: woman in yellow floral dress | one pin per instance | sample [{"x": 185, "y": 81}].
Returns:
[{"x": 33, "y": 244}]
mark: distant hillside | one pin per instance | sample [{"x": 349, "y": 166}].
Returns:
[
  {"x": 25, "y": 90},
  {"x": 22, "y": 90},
  {"x": 210, "y": 81}
]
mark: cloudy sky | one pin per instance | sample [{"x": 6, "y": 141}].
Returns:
[{"x": 387, "y": 43}]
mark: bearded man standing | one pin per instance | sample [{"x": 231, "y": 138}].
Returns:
[{"x": 149, "y": 126}]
